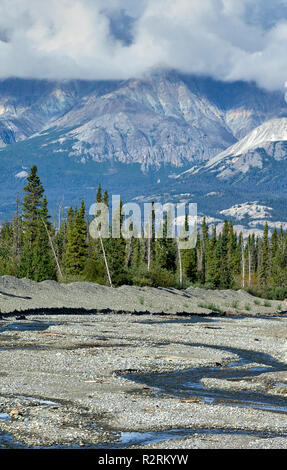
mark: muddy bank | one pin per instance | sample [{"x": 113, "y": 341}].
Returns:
[{"x": 125, "y": 380}]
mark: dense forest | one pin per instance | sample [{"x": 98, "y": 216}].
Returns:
[{"x": 32, "y": 246}]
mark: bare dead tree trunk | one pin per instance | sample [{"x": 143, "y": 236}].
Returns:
[
  {"x": 53, "y": 249},
  {"x": 60, "y": 215},
  {"x": 249, "y": 267},
  {"x": 149, "y": 242},
  {"x": 243, "y": 267},
  {"x": 129, "y": 254},
  {"x": 16, "y": 228},
  {"x": 148, "y": 253},
  {"x": 88, "y": 238},
  {"x": 105, "y": 258},
  {"x": 179, "y": 263}
]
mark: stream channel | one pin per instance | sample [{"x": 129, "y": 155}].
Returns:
[{"x": 187, "y": 384}]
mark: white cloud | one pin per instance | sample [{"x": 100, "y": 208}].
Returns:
[{"x": 227, "y": 39}]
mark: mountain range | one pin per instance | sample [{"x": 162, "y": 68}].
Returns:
[{"x": 166, "y": 136}]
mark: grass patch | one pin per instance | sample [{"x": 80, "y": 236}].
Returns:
[
  {"x": 211, "y": 306},
  {"x": 267, "y": 303},
  {"x": 235, "y": 304},
  {"x": 256, "y": 302},
  {"x": 248, "y": 307},
  {"x": 141, "y": 300}
]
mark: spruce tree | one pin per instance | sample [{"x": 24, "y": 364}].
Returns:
[
  {"x": 188, "y": 258},
  {"x": 77, "y": 250},
  {"x": 165, "y": 250},
  {"x": 115, "y": 248},
  {"x": 36, "y": 258},
  {"x": 225, "y": 271},
  {"x": 203, "y": 250},
  {"x": 211, "y": 263},
  {"x": 42, "y": 258},
  {"x": 31, "y": 205}
]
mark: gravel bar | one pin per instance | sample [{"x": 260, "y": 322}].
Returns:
[{"x": 67, "y": 380}]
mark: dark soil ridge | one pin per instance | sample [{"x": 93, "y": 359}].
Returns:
[{"x": 22, "y": 314}]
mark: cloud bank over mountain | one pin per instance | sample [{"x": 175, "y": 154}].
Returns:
[{"x": 119, "y": 39}]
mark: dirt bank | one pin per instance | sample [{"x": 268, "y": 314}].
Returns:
[{"x": 23, "y": 295}]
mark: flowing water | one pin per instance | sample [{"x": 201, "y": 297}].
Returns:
[{"x": 188, "y": 383}]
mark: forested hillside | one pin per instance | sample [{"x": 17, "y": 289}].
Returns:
[{"x": 32, "y": 246}]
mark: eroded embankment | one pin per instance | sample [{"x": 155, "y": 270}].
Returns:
[{"x": 18, "y": 296}]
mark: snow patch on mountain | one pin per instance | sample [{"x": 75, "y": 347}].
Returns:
[
  {"x": 252, "y": 210},
  {"x": 274, "y": 130},
  {"x": 241, "y": 229},
  {"x": 273, "y": 225}
]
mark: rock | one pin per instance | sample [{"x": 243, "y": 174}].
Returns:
[
  {"x": 15, "y": 412},
  {"x": 21, "y": 317}
]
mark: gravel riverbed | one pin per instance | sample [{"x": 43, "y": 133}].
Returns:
[{"x": 78, "y": 380}]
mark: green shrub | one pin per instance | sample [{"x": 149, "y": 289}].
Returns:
[
  {"x": 94, "y": 271},
  {"x": 210, "y": 306},
  {"x": 163, "y": 278},
  {"x": 277, "y": 293}
]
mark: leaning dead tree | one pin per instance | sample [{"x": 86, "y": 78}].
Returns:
[
  {"x": 179, "y": 262},
  {"x": 95, "y": 230},
  {"x": 243, "y": 266},
  {"x": 53, "y": 249},
  {"x": 106, "y": 261}
]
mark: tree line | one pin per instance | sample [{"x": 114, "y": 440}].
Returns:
[{"x": 32, "y": 246}]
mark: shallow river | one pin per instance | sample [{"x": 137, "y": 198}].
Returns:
[{"x": 188, "y": 383}]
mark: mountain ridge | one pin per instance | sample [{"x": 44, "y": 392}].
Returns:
[{"x": 138, "y": 137}]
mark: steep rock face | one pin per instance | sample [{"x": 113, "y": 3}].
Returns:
[
  {"x": 29, "y": 106},
  {"x": 140, "y": 137},
  {"x": 262, "y": 149},
  {"x": 162, "y": 119},
  {"x": 151, "y": 122},
  {"x": 166, "y": 119}
]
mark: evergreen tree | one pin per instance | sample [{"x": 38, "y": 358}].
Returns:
[
  {"x": 211, "y": 261},
  {"x": 165, "y": 250},
  {"x": 36, "y": 258},
  {"x": 77, "y": 249},
  {"x": 31, "y": 205},
  {"x": 203, "y": 249},
  {"x": 225, "y": 271},
  {"x": 116, "y": 250},
  {"x": 42, "y": 259},
  {"x": 188, "y": 258},
  {"x": 217, "y": 263}
]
